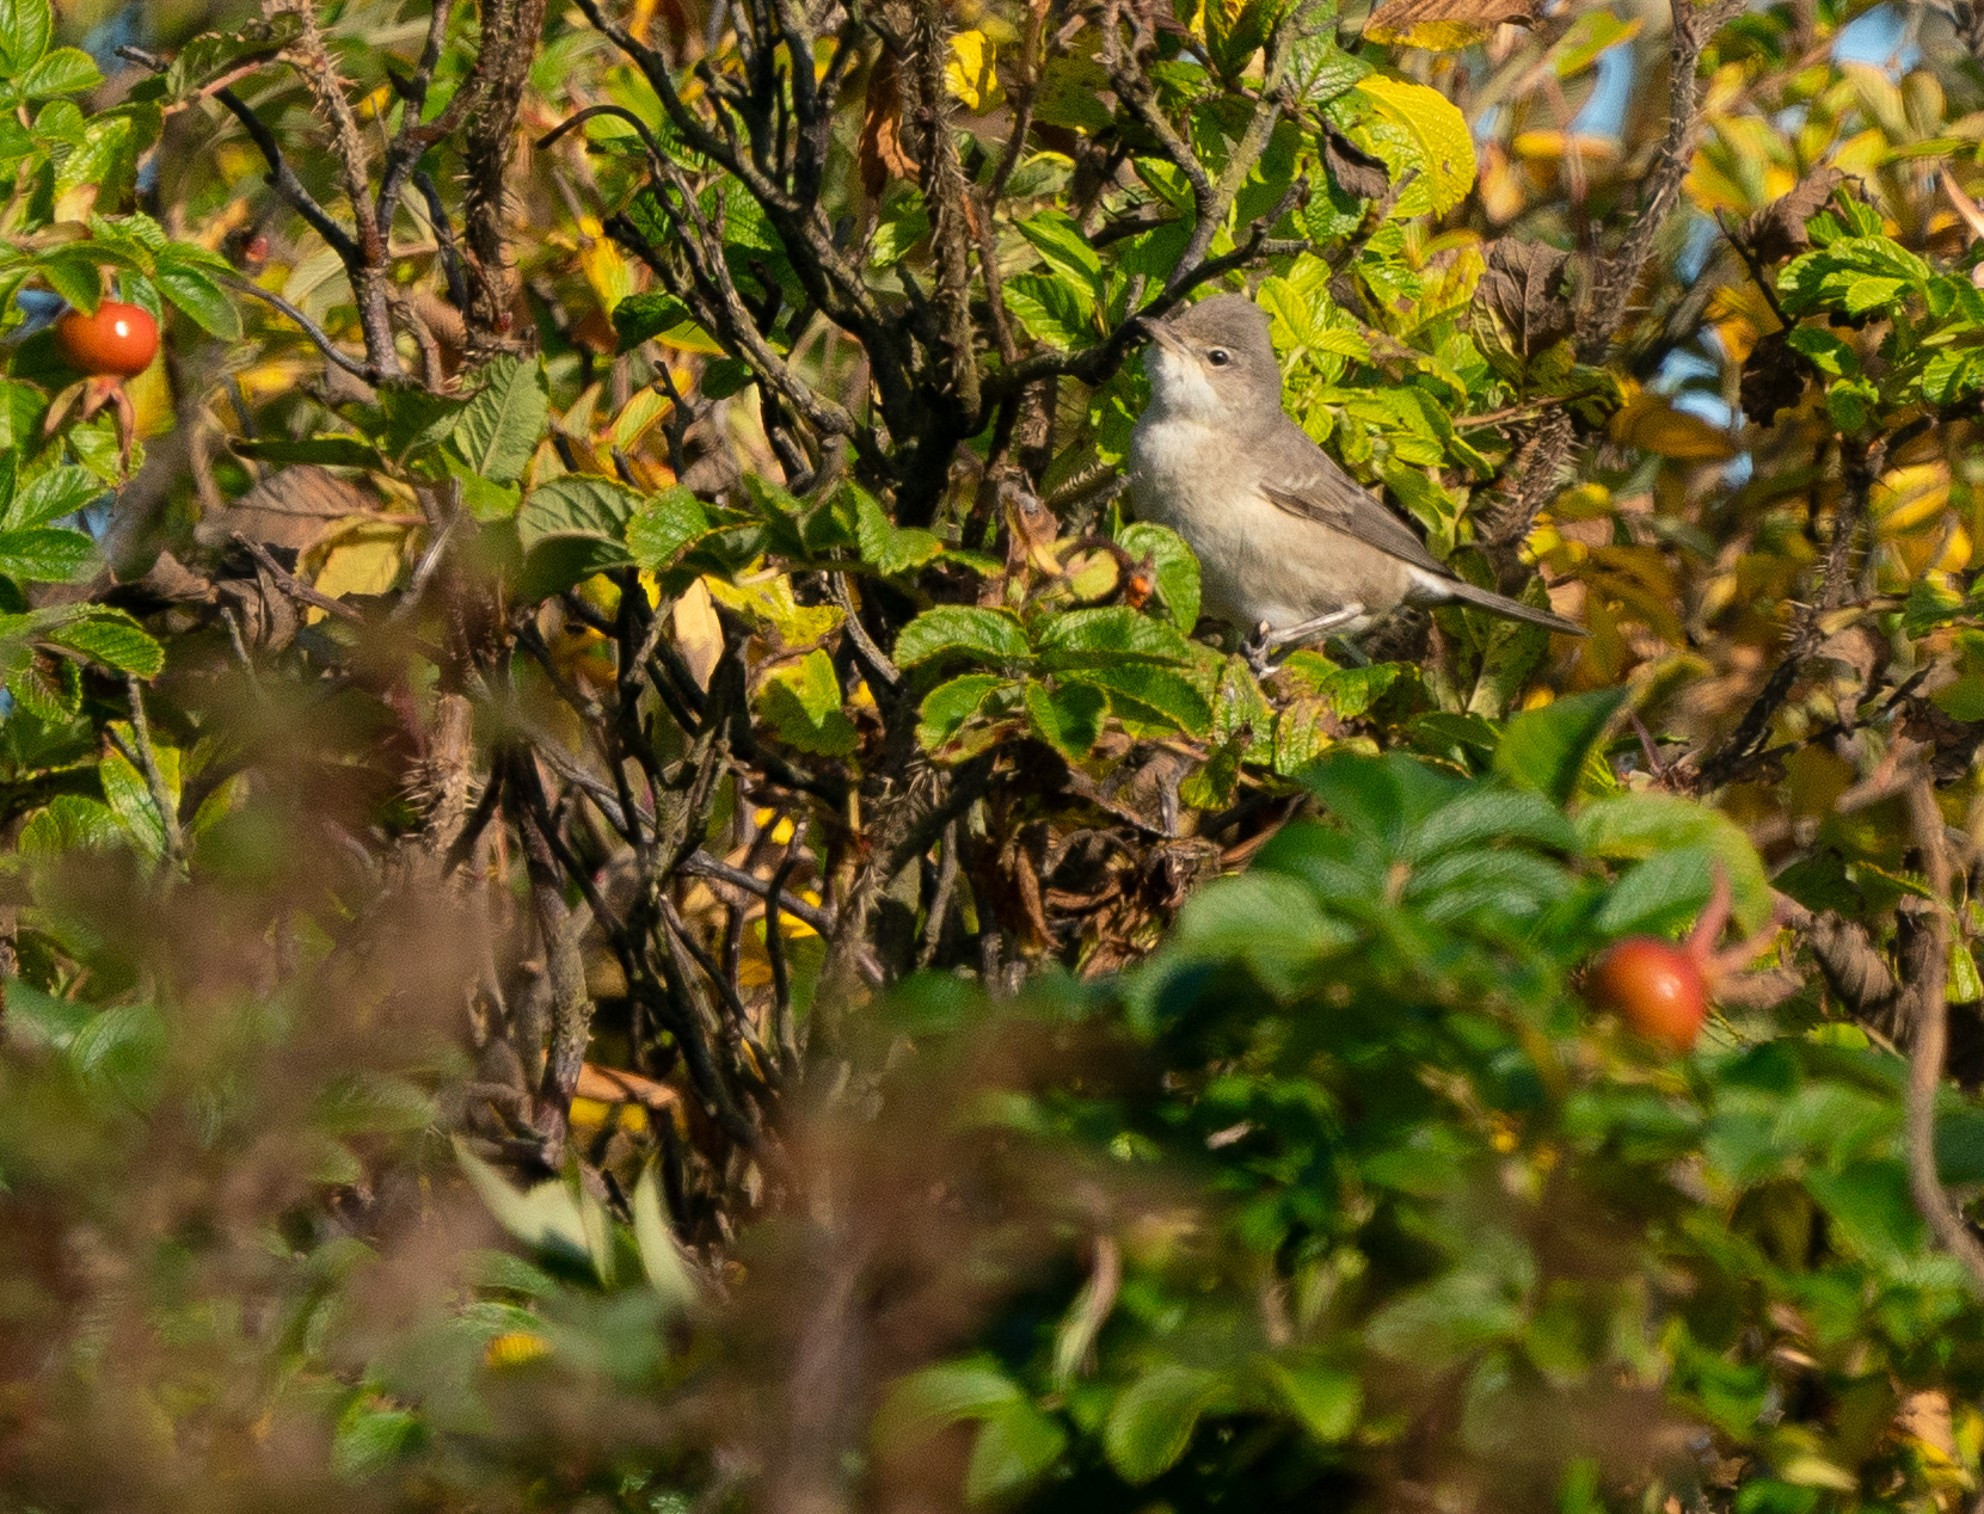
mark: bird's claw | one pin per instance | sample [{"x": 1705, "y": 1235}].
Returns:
[{"x": 1260, "y": 648}]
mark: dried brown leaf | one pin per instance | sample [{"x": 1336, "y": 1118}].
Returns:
[
  {"x": 1351, "y": 168},
  {"x": 294, "y": 508},
  {"x": 1773, "y": 378},
  {"x": 1523, "y": 290},
  {"x": 1778, "y": 230},
  {"x": 879, "y": 148}
]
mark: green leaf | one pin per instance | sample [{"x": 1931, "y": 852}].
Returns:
[
  {"x": 947, "y": 707},
  {"x": 1545, "y": 749},
  {"x": 75, "y": 276},
  {"x": 1015, "y": 1445},
  {"x": 578, "y": 504},
  {"x": 546, "y": 1217},
  {"x": 663, "y": 1261},
  {"x": 1327, "y": 1400},
  {"x": 962, "y": 631},
  {"x": 1152, "y": 694},
  {"x": 25, "y": 29},
  {"x": 1173, "y": 565},
  {"x": 45, "y": 554},
  {"x": 71, "y": 823},
  {"x": 926, "y": 1402},
  {"x": 1057, "y": 238},
  {"x": 130, "y": 799},
  {"x": 664, "y": 526},
  {"x": 499, "y": 429},
  {"x": 327, "y": 451},
  {"x": 642, "y": 317},
  {"x": 1637, "y": 826},
  {"x": 885, "y": 546},
  {"x": 559, "y": 562},
  {"x": 1483, "y": 814},
  {"x": 1443, "y": 1322},
  {"x": 49, "y": 496},
  {"x": 201, "y": 297},
  {"x": 1660, "y": 895},
  {"x": 111, "y": 637},
  {"x": 123, "y": 1049},
  {"x": 371, "y": 1436},
  {"x": 802, "y": 702},
  {"x": 371, "y": 1103},
  {"x": 1067, "y": 717},
  {"x": 1869, "y": 1204},
  {"x": 1152, "y": 1420},
  {"x": 1052, "y": 310},
  {"x": 1319, "y": 71},
  {"x": 1088, "y": 638},
  {"x": 210, "y": 54},
  {"x": 66, "y": 71}
]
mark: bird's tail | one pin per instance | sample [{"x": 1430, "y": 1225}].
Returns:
[{"x": 1459, "y": 591}]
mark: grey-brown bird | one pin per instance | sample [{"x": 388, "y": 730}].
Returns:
[{"x": 1290, "y": 547}]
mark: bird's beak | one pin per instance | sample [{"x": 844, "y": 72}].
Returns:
[{"x": 1164, "y": 336}]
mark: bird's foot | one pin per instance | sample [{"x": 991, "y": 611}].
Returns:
[{"x": 1260, "y": 648}]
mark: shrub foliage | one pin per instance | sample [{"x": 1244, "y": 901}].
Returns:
[{"x": 633, "y": 885}]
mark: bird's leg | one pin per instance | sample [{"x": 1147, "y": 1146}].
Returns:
[
  {"x": 1310, "y": 629},
  {"x": 1259, "y": 649}
]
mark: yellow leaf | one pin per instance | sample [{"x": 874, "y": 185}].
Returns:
[
  {"x": 1502, "y": 197},
  {"x": 515, "y": 1348},
  {"x": 1413, "y": 127},
  {"x": 1956, "y": 552},
  {"x": 770, "y": 602},
  {"x": 698, "y": 633},
  {"x": 1532, "y": 146},
  {"x": 606, "y": 268},
  {"x": 1909, "y": 498},
  {"x": 1653, "y": 425},
  {"x": 647, "y": 406},
  {"x": 362, "y": 561},
  {"x": 970, "y": 76}
]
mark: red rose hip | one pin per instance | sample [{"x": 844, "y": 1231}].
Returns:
[
  {"x": 118, "y": 341},
  {"x": 1657, "y": 987}
]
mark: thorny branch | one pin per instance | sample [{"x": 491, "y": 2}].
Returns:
[{"x": 1542, "y": 459}]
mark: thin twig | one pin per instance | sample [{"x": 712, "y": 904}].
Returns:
[
  {"x": 1929, "y": 1027},
  {"x": 356, "y": 367},
  {"x": 295, "y": 587},
  {"x": 147, "y": 763},
  {"x": 701, "y": 864}
]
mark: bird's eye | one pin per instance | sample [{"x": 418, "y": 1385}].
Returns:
[{"x": 1219, "y": 357}]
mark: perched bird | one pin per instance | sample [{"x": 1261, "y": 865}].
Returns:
[{"x": 1290, "y": 548}]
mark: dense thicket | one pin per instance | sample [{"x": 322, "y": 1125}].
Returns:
[{"x": 632, "y": 886}]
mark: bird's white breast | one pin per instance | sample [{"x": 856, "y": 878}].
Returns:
[{"x": 1257, "y": 562}]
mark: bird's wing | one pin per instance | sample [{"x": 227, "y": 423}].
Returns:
[{"x": 1320, "y": 491}]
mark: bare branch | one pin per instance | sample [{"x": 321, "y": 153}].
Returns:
[{"x": 1928, "y": 1026}]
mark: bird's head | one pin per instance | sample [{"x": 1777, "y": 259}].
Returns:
[{"x": 1213, "y": 362}]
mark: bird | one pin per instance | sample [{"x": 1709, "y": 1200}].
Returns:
[{"x": 1290, "y": 547}]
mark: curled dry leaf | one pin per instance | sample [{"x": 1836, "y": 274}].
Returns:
[
  {"x": 880, "y": 147},
  {"x": 1778, "y": 230},
  {"x": 1773, "y": 378},
  {"x": 1351, "y": 168}
]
